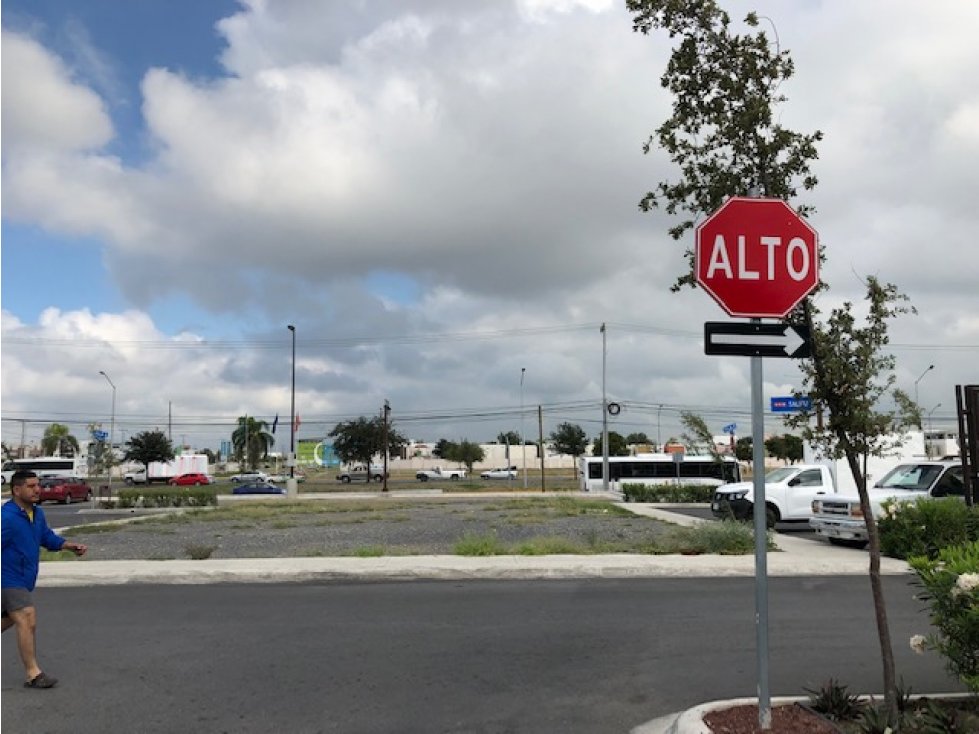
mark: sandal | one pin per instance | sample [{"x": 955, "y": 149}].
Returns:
[{"x": 41, "y": 680}]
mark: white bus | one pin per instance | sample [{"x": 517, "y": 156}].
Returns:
[
  {"x": 46, "y": 466},
  {"x": 656, "y": 469}
]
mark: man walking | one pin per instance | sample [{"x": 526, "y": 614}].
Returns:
[{"x": 24, "y": 531}]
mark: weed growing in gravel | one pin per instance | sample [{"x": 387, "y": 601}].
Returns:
[
  {"x": 479, "y": 545},
  {"x": 200, "y": 552},
  {"x": 725, "y": 538}
]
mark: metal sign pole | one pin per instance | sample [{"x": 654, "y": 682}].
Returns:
[{"x": 761, "y": 543}]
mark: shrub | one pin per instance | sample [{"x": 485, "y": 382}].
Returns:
[
  {"x": 168, "y": 497},
  {"x": 728, "y": 537},
  {"x": 951, "y": 583},
  {"x": 834, "y": 701},
  {"x": 667, "y": 492},
  {"x": 923, "y": 528},
  {"x": 200, "y": 552}
]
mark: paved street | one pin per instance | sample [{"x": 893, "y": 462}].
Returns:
[{"x": 467, "y": 656}]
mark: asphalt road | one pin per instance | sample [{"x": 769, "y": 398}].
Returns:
[{"x": 476, "y": 656}]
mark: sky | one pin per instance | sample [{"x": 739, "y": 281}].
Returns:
[{"x": 442, "y": 198}]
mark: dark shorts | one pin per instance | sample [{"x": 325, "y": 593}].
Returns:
[{"x": 15, "y": 599}]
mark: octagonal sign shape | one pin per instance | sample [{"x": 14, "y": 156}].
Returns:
[{"x": 756, "y": 257}]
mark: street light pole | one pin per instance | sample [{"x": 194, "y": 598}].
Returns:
[
  {"x": 291, "y": 488},
  {"x": 604, "y": 417},
  {"x": 929, "y": 369},
  {"x": 112, "y": 427},
  {"x": 927, "y": 447},
  {"x": 523, "y": 438}
]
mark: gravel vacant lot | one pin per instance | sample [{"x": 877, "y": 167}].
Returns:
[{"x": 377, "y": 527}]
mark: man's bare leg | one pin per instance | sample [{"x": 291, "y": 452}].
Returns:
[{"x": 26, "y": 622}]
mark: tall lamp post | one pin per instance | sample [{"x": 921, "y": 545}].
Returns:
[
  {"x": 927, "y": 446},
  {"x": 523, "y": 439},
  {"x": 112, "y": 426},
  {"x": 291, "y": 488},
  {"x": 604, "y": 417},
  {"x": 927, "y": 370}
]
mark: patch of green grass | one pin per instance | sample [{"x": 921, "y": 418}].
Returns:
[
  {"x": 63, "y": 555},
  {"x": 724, "y": 538},
  {"x": 370, "y": 551},
  {"x": 549, "y": 545},
  {"x": 479, "y": 545},
  {"x": 92, "y": 530}
]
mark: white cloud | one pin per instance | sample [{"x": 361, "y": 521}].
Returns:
[{"x": 43, "y": 108}]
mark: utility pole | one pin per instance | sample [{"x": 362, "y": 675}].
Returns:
[
  {"x": 604, "y": 418},
  {"x": 292, "y": 489},
  {"x": 540, "y": 444},
  {"x": 387, "y": 414},
  {"x": 523, "y": 438}
]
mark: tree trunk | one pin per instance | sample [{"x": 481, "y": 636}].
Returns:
[{"x": 880, "y": 609}]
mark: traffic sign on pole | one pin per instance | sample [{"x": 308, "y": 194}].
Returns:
[
  {"x": 755, "y": 339},
  {"x": 756, "y": 257}
]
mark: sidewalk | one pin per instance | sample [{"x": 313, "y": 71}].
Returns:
[{"x": 795, "y": 557}]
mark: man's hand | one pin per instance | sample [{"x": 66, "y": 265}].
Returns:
[{"x": 77, "y": 548}]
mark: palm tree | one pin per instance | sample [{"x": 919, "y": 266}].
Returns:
[
  {"x": 251, "y": 440},
  {"x": 58, "y": 441}
]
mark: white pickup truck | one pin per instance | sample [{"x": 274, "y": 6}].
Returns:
[
  {"x": 439, "y": 473},
  {"x": 789, "y": 494},
  {"x": 840, "y": 519}
]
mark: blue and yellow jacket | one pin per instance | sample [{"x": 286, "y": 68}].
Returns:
[{"x": 22, "y": 541}]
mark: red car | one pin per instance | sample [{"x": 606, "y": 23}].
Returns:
[
  {"x": 64, "y": 489},
  {"x": 186, "y": 480}
]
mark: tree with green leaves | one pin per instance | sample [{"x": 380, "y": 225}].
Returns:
[
  {"x": 58, "y": 441},
  {"x": 634, "y": 438},
  {"x": 698, "y": 436},
  {"x": 743, "y": 450},
  {"x": 510, "y": 438},
  {"x": 360, "y": 440},
  {"x": 466, "y": 452},
  {"x": 251, "y": 441},
  {"x": 569, "y": 439},
  {"x": 786, "y": 447},
  {"x": 146, "y": 447},
  {"x": 443, "y": 447},
  {"x": 725, "y": 136},
  {"x": 617, "y": 445}
]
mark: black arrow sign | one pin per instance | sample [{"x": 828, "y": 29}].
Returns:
[{"x": 757, "y": 340}]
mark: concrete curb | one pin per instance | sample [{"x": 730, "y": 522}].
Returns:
[{"x": 691, "y": 721}]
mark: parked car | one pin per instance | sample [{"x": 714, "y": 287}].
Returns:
[
  {"x": 258, "y": 488},
  {"x": 839, "y": 518},
  {"x": 284, "y": 477},
  {"x": 501, "y": 473},
  {"x": 439, "y": 473},
  {"x": 361, "y": 473},
  {"x": 64, "y": 489},
  {"x": 249, "y": 476},
  {"x": 186, "y": 480}
]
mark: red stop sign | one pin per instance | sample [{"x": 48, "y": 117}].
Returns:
[{"x": 757, "y": 257}]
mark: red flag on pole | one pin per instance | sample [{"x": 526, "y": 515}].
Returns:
[{"x": 296, "y": 426}]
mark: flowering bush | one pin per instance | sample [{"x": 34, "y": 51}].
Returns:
[
  {"x": 951, "y": 583},
  {"x": 923, "y": 528}
]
